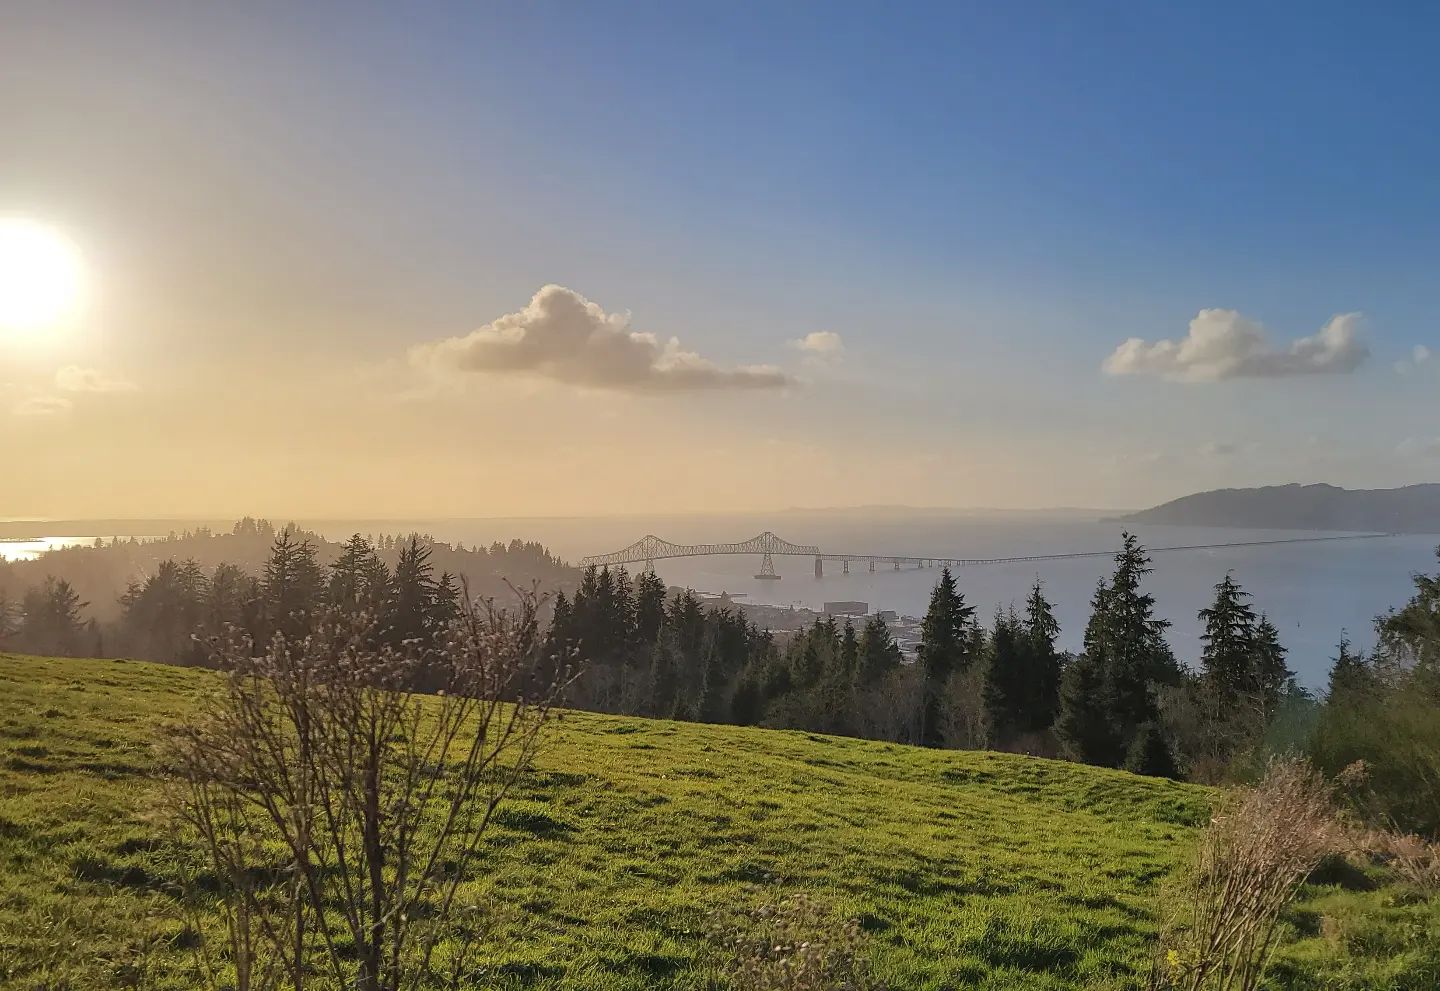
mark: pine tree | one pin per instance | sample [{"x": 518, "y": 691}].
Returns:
[
  {"x": 1043, "y": 630},
  {"x": 293, "y": 586},
  {"x": 947, "y": 639},
  {"x": 1273, "y": 676},
  {"x": 410, "y": 611},
  {"x": 1085, "y": 727},
  {"x": 1349, "y": 671},
  {"x": 849, "y": 654},
  {"x": 1149, "y": 754},
  {"x": 1007, "y": 687},
  {"x": 879, "y": 654},
  {"x": 1228, "y": 657},
  {"x": 649, "y": 607},
  {"x": 1127, "y": 644}
]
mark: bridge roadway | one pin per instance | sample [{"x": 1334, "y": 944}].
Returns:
[{"x": 651, "y": 548}]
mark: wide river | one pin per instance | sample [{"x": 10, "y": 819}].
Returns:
[{"x": 1312, "y": 591}]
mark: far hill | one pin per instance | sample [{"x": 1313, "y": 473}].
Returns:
[
  {"x": 966, "y": 869},
  {"x": 1410, "y": 509}
]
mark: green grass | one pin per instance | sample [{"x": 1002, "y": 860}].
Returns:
[{"x": 966, "y": 869}]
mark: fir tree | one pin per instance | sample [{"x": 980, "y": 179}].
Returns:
[
  {"x": 947, "y": 638},
  {"x": 1149, "y": 754},
  {"x": 879, "y": 654},
  {"x": 1084, "y": 726},
  {"x": 1229, "y": 654},
  {"x": 1349, "y": 671},
  {"x": 1043, "y": 630}
]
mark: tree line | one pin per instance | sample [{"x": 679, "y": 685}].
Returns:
[{"x": 1122, "y": 701}]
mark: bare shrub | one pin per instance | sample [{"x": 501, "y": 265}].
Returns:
[
  {"x": 1415, "y": 859},
  {"x": 340, "y": 814},
  {"x": 796, "y": 945},
  {"x": 1253, "y": 857}
]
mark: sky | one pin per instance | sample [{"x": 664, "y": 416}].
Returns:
[{"x": 563, "y": 259}]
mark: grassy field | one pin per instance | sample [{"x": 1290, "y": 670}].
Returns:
[{"x": 965, "y": 869}]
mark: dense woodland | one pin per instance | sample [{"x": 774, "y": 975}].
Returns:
[{"x": 634, "y": 647}]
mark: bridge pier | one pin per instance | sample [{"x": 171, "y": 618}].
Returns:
[
  {"x": 897, "y": 564},
  {"x": 846, "y": 568},
  {"x": 819, "y": 568},
  {"x": 872, "y": 565}
]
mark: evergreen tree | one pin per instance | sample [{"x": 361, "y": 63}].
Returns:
[
  {"x": 1125, "y": 645},
  {"x": 411, "y": 610},
  {"x": 1007, "y": 686},
  {"x": 1229, "y": 654},
  {"x": 224, "y": 599},
  {"x": 51, "y": 618},
  {"x": 9, "y": 619},
  {"x": 1085, "y": 727},
  {"x": 1043, "y": 630},
  {"x": 359, "y": 580},
  {"x": 849, "y": 654},
  {"x": 649, "y": 607},
  {"x": 293, "y": 586},
  {"x": 879, "y": 654},
  {"x": 1149, "y": 754},
  {"x": 1273, "y": 677},
  {"x": 1349, "y": 671},
  {"x": 947, "y": 638}
]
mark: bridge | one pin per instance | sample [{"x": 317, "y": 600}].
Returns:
[{"x": 650, "y": 548}]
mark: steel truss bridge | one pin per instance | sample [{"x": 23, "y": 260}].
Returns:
[{"x": 650, "y": 548}]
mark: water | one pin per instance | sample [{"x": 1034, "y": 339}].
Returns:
[
  {"x": 1311, "y": 591},
  {"x": 28, "y": 549}
]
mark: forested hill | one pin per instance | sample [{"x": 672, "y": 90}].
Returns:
[{"x": 1410, "y": 509}]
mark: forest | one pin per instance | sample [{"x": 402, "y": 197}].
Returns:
[{"x": 628, "y": 645}]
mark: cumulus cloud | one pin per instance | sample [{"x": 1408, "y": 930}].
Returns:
[
  {"x": 73, "y": 378},
  {"x": 820, "y": 342},
  {"x": 565, "y": 337},
  {"x": 1224, "y": 344}
]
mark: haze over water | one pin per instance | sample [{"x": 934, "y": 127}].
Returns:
[{"x": 1312, "y": 591}]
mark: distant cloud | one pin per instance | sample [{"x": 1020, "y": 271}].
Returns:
[
  {"x": 1218, "y": 449},
  {"x": 73, "y": 378},
  {"x": 820, "y": 342},
  {"x": 563, "y": 336},
  {"x": 1224, "y": 344},
  {"x": 1417, "y": 447},
  {"x": 40, "y": 405},
  {"x": 1419, "y": 355}
]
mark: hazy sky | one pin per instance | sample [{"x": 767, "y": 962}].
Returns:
[{"x": 472, "y": 259}]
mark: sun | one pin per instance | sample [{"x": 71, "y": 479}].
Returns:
[{"x": 41, "y": 277}]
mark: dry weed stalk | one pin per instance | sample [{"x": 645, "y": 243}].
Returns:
[
  {"x": 339, "y": 813},
  {"x": 796, "y": 945},
  {"x": 1252, "y": 859}
]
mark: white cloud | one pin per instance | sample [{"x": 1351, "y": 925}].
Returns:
[
  {"x": 40, "y": 405},
  {"x": 1419, "y": 355},
  {"x": 73, "y": 378},
  {"x": 563, "y": 336},
  {"x": 1224, "y": 344},
  {"x": 820, "y": 342},
  {"x": 1218, "y": 449},
  {"x": 1419, "y": 447}
]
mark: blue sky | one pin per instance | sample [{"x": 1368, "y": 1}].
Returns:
[{"x": 982, "y": 201}]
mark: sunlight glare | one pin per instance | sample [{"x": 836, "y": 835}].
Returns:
[{"x": 41, "y": 278}]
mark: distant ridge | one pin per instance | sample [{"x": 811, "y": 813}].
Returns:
[{"x": 1409, "y": 509}]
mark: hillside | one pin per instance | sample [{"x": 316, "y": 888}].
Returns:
[
  {"x": 1411, "y": 509},
  {"x": 965, "y": 869}
]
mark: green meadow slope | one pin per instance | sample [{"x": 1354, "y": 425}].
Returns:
[{"x": 965, "y": 869}]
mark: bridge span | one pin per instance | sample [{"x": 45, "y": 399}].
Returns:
[{"x": 650, "y": 548}]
